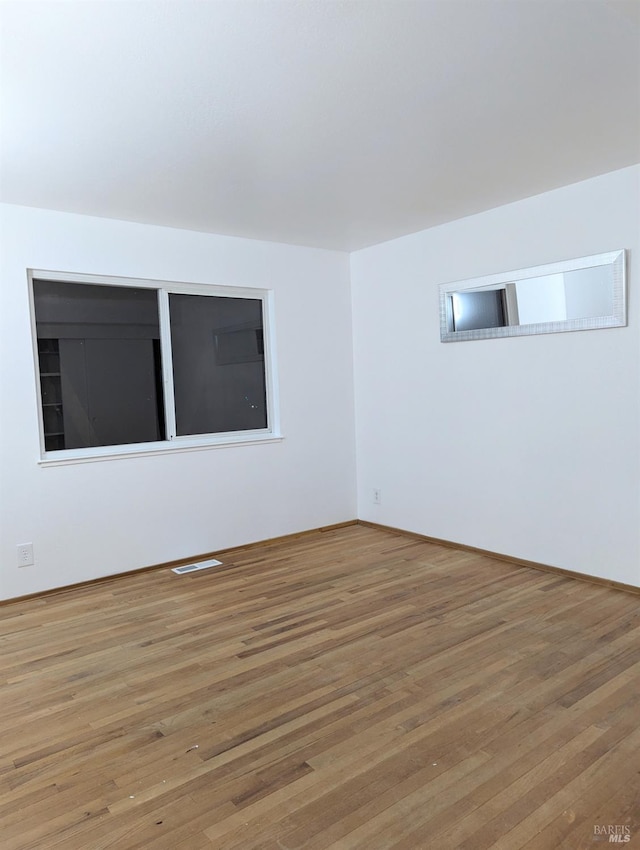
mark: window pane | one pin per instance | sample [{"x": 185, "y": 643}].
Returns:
[
  {"x": 218, "y": 364},
  {"x": 99, "y": 357}
]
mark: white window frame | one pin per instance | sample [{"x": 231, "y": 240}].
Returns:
[{"x": 173, "y": 442}]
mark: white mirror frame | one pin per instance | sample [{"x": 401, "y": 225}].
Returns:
[{"x": 618, "y": 317}]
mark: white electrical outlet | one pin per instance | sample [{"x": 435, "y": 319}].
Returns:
[
  {"x": 25, "y": 554},
  {"x": 377, "y": 496}
]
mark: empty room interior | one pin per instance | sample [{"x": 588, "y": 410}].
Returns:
[{"x": 320, "y": 424}]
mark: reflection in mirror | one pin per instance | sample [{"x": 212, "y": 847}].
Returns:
[{"x": 583, "y": 294}]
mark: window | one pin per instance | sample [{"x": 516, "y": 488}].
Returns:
[{"x": 128, "y": 366}]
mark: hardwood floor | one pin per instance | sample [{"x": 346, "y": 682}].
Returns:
[{"x": 350, "y": 689}]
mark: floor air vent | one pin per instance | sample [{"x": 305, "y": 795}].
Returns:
[{"x": 200, "y": 565}]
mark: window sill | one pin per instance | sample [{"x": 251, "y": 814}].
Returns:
[{"x": 71, "y": 456}]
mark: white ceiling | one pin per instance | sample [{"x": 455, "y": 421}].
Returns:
[{"x": 331, "y": 123}]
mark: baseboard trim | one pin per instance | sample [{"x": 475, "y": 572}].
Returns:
[
  {"x": 170, "y": 564},
  {"x": 274, "y": 540},
  {"x": 510, "y": 559},
  {"x": 450, "y": 544}
]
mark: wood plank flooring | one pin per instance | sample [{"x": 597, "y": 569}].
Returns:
[{"x": 350, "y": 689}]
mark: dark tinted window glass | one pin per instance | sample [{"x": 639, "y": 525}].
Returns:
[
  {"x": 218, "y": 364},
  {"x": 99, "y": 359}
]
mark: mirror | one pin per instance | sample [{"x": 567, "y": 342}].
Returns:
[{"x": 574, "y": 295}]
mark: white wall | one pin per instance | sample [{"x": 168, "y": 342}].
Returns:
[
  {"x": 95, "y": 519},
  {"x": 527, "y": 446}
]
